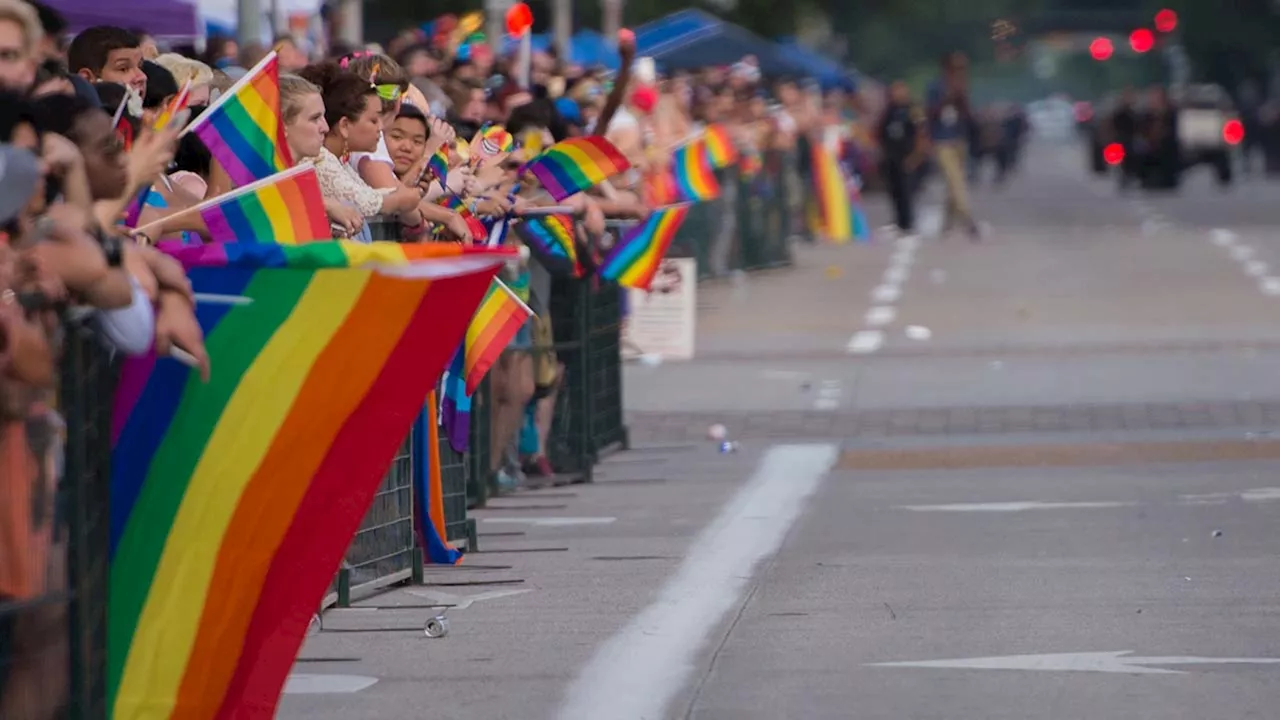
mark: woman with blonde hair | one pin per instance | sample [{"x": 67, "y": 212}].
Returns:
[{"x": 185, "y": 69}]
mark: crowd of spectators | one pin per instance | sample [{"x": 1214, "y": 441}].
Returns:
[{"x": 369, "y": 120}]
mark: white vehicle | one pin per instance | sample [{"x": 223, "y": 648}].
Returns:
[{"x": 1208, "y": 128}]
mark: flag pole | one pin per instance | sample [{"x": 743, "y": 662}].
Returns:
[{"x": 231, "y": 91}]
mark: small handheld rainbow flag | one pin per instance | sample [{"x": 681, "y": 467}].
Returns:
[
  {"x": 576, "y": 165},
  {"x": 438, "y": 165},
  {"x": 721, "y": 152},
  {"x": 660, "y": 188},
  {"x": 635, "y": 260},
  {"x": 490, "y": 142},
  {"x": 243, "y": 128},
  {"x": 232, "y": 501},
  {"x": 694, "y": 176},
  {"x": 175, "y": 106},
  {"x": 550, "y": 239},
  {"x": 286, "y": 208},
  {"x": 833, "y": 196},
  {"x": 500, "y": 316}
]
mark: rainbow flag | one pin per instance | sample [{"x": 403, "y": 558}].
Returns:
[
  {"x": 438, "y": 165},
  {"x": 660, "y": 188},
  {"x": 694, "y": 176},
  {"x": 428, "y": 489},
  {"x": 550, "y": 239},
  {"x": 286, "y": 208},
  {"x": 497, "y": 320},
  {"x": 232, "y": 501},
  {"x": 721, "y": 152},
  {"x": 243, "y": 128},
  {"x": 491, "y": 141},
  {"x": 635, "y": 260},
  {"x": 175, "y": 106},
  {"x": 455, "y": 407},
  {"x": 833, "y": 196},
  {"x": 576, "y": 165}
]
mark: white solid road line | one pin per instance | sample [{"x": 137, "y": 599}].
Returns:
[
  {"x": 1222, "y": 237},
  {"x": 864, "y": 342},
  {"x": 637, "y": 673}
]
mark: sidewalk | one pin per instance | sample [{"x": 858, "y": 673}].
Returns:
[{"x": 558, "y": 573}]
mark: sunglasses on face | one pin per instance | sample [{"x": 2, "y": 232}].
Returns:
[{"x": 390, "y": 93}]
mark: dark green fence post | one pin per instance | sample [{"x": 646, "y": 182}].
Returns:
[
  {"x": 608, "y": 431},
  {"x": 87, "y": 384},
  {"x": 480, "y": 478}
]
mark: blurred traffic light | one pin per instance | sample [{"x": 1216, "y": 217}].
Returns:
[
  {"x": 1166, "y": 20},
  {"x": 1101, "y": 48},
  {"x": 1142, "y": 40},
  {"x": 1113, "y": 154}
]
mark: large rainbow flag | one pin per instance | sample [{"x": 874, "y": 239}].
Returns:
[
  {"x": 233, "y": 501},
  {"x": 244, "y": 129}
]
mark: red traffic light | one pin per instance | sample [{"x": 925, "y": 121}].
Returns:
[
  {"x": 1142, "y": 40},
  {"x": 1166, "y": 20},
  {"x": 1113, "y": 154},
  {"x": 1101, "y": 48},
  {"x": 1233, "y": 132}
]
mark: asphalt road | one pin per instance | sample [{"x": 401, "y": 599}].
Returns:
[{"x": 1032, "y": 477}]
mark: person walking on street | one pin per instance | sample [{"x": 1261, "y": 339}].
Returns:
[
  {"x": 1124, "y": 130},
  {"x": 901, "y": 135},
  {"x": 950, "y": 121}
]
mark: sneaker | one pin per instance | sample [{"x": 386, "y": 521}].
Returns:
[
  {"x": 507, "y": 482},
  {"x": 539, "y": 466}
]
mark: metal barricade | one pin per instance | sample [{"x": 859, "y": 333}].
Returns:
[{"x": 53, "y": 630}]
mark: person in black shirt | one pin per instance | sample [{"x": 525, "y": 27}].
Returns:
[
  {"x": 901, "y": 137},
  {"x": 1157, "y": 131},
  {"x": 1124, "y": 129}
]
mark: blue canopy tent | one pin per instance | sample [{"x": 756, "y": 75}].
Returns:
[
  {"x": 827, "y": 72},
  {"x": 692, "y": 39},
  {"x": 586, "y": 47}
]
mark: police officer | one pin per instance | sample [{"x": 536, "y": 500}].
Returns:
[{"x": 901, "y": 136}]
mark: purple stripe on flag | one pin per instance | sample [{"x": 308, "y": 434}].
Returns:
[
  {"x": 219, "y": 229},
  {"x": 221, "y": 152},
  {"x": 133, "y": 378}
]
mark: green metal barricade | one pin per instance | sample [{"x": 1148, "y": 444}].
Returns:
[
  {"x": 454, "y": 469},
  {"x": 88, "y": 379},
  {"x": 604, "y": 363}
]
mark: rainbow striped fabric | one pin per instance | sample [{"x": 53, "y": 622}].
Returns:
[
  {"x": 550, "y": 239},
  {"x": 576, "y": 165},
  {"x": 497, "y": 320},
  {"x": 492, "y": 141},
  {"x": 833, "y": 197},
  {"x": 286, "y": 208},
  {"x": 694, "y": 176},
  {"x": 243, "y": 128},
  {"x": 635, "y": 260},
  {"x": 721, "y": 152},
  {"x": 438, "y": 165},
  {"x": 232, "y": 501}
]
